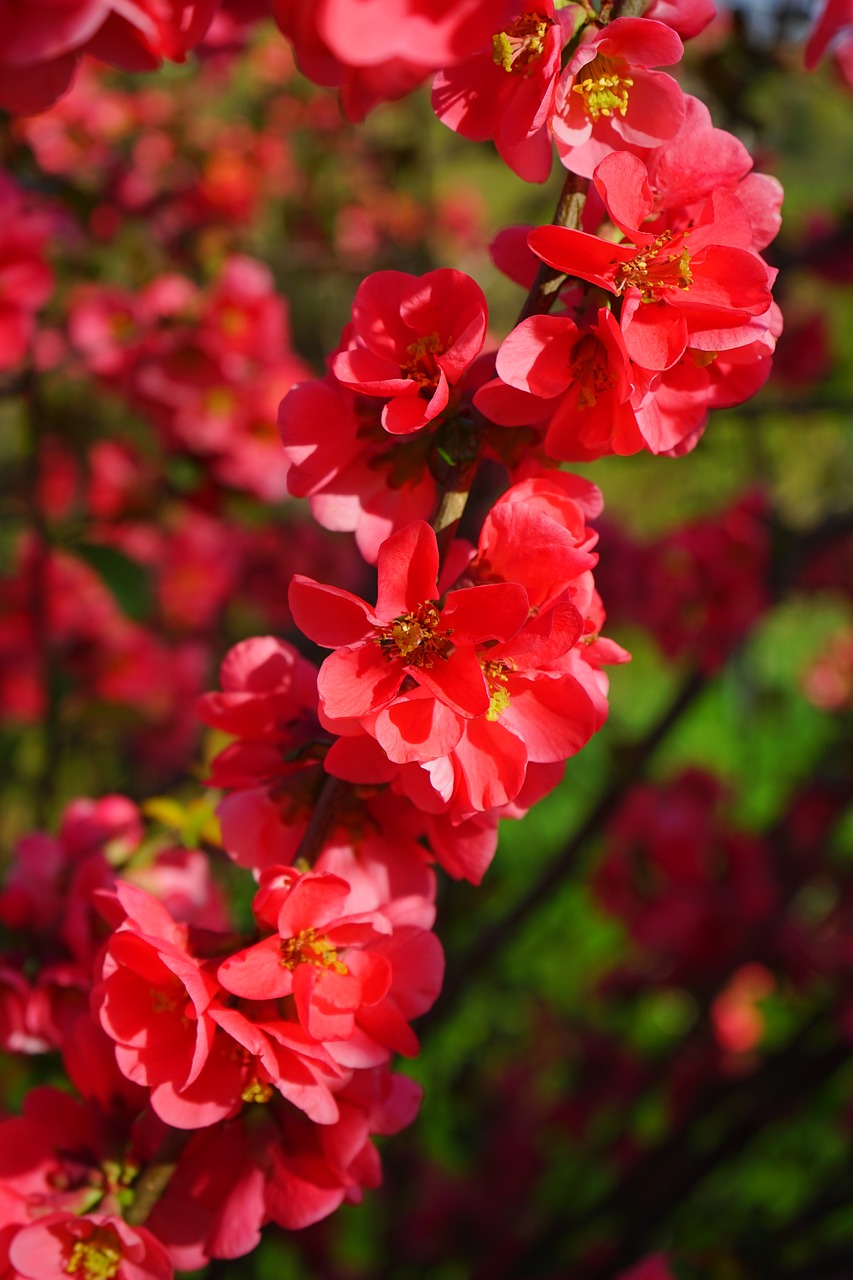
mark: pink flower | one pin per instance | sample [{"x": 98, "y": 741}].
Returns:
[
  {"x": 506, "y": 90},
  {"x": 609, "y": 99},
  {"x": 96, "y": 1245},
  {"x": 411, "y": 340}
]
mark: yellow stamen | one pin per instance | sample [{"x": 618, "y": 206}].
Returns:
[
  {"x": 497, "y": 673},
  {"x": 220, "y": 400},
  {"x": 96, "y": 1258},
  {"x": 255, "y": 1091},
  {"x": 603, "y": 90},
  {"x": 519, "y": 47},
  {"x": 652, "y": 269},
  {"x": 422, "y": 367},
  {"x": 415, "y": 637},
  {"x": 307, "y": 948},
  {"x": 161, "y": 1002},
  {"x": 590, "y": 370}
]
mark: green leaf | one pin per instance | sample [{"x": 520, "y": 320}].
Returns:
[{"x": 126, "y": 580}]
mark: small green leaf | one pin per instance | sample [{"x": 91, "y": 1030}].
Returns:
[{"x": 126, "y": 580}]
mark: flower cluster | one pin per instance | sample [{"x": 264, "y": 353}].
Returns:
[
  {"x": 154, "y": 1001},
  {"x": 253, "y": 1056}
]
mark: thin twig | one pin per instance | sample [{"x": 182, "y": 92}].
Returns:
[
  {"x": 156, "y": 1176},
  {"x": 540, "y": 299},
  {"x": 322, "y": 819}
]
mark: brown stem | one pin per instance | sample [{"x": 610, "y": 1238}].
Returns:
[
  {"x": 322, "y": 819},
  {"x": 451, "y": 507},
  {"x": 549, "y": 280},
  {"x": 540, "y": 299},
  {"x": 156, "y": 1176}
]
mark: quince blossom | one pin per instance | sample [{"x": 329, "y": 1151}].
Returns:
[
  {"x": 609, "y": 99},
  {"x": 411, "y": 637},
  {"x": 411, "y": 340},
  {"x": 698, "y": 285},
  {"x": 62, "y": 1244},
  {"x": 506, "y": 90}
]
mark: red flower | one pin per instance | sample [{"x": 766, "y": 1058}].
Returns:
[
  {"x": 694, "y": 286},
  {"x": 356, "y": 478},
  {"x": 579, "y": 383},
  {"x": 41, "y": 41},
  {"x": 654, "y": 1268},
  {"x": 408, "y": 636},
  {"x": 311, "y": 955},
  {"x": 608, "y": 99},
  {"x": 62, "y": 1244},
  {"x": 155, "y": 998},
  {"x": 506, "y": 90},
  {"x": 273, "y": 1164},
  {"x": 25, "y": 278},
  {"x": 835, "y": 17},
  {"x": 362, "y": 86},
  {"x": 369, "y": 32},
  {"x": 411, "y": 340}
]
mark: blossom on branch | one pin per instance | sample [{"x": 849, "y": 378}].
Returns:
[
  {"x": 411, "y": 340},
  {"x": 609, "y": 98},
  {"x": 506, "y": 90}
]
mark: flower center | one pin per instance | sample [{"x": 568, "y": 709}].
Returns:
[
  {"x": 307, "y": 948},
  {"x": 257, "y": 1091},
  {"x": 653, "y": 268},
  {"x": 422, "y": 368},
  {"x": 603, "y": 90},
  {"x": 162, "y": 1002},
  {"x": 415, "y": 637},
  {"x": 521, "y": 45},
  {"x": 590, "y": 370},
  {"x": 497, "y": 673},
  {"x": 97, "y": 1258}
]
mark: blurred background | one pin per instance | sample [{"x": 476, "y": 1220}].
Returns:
[{"x": 643, "y": 1049}]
